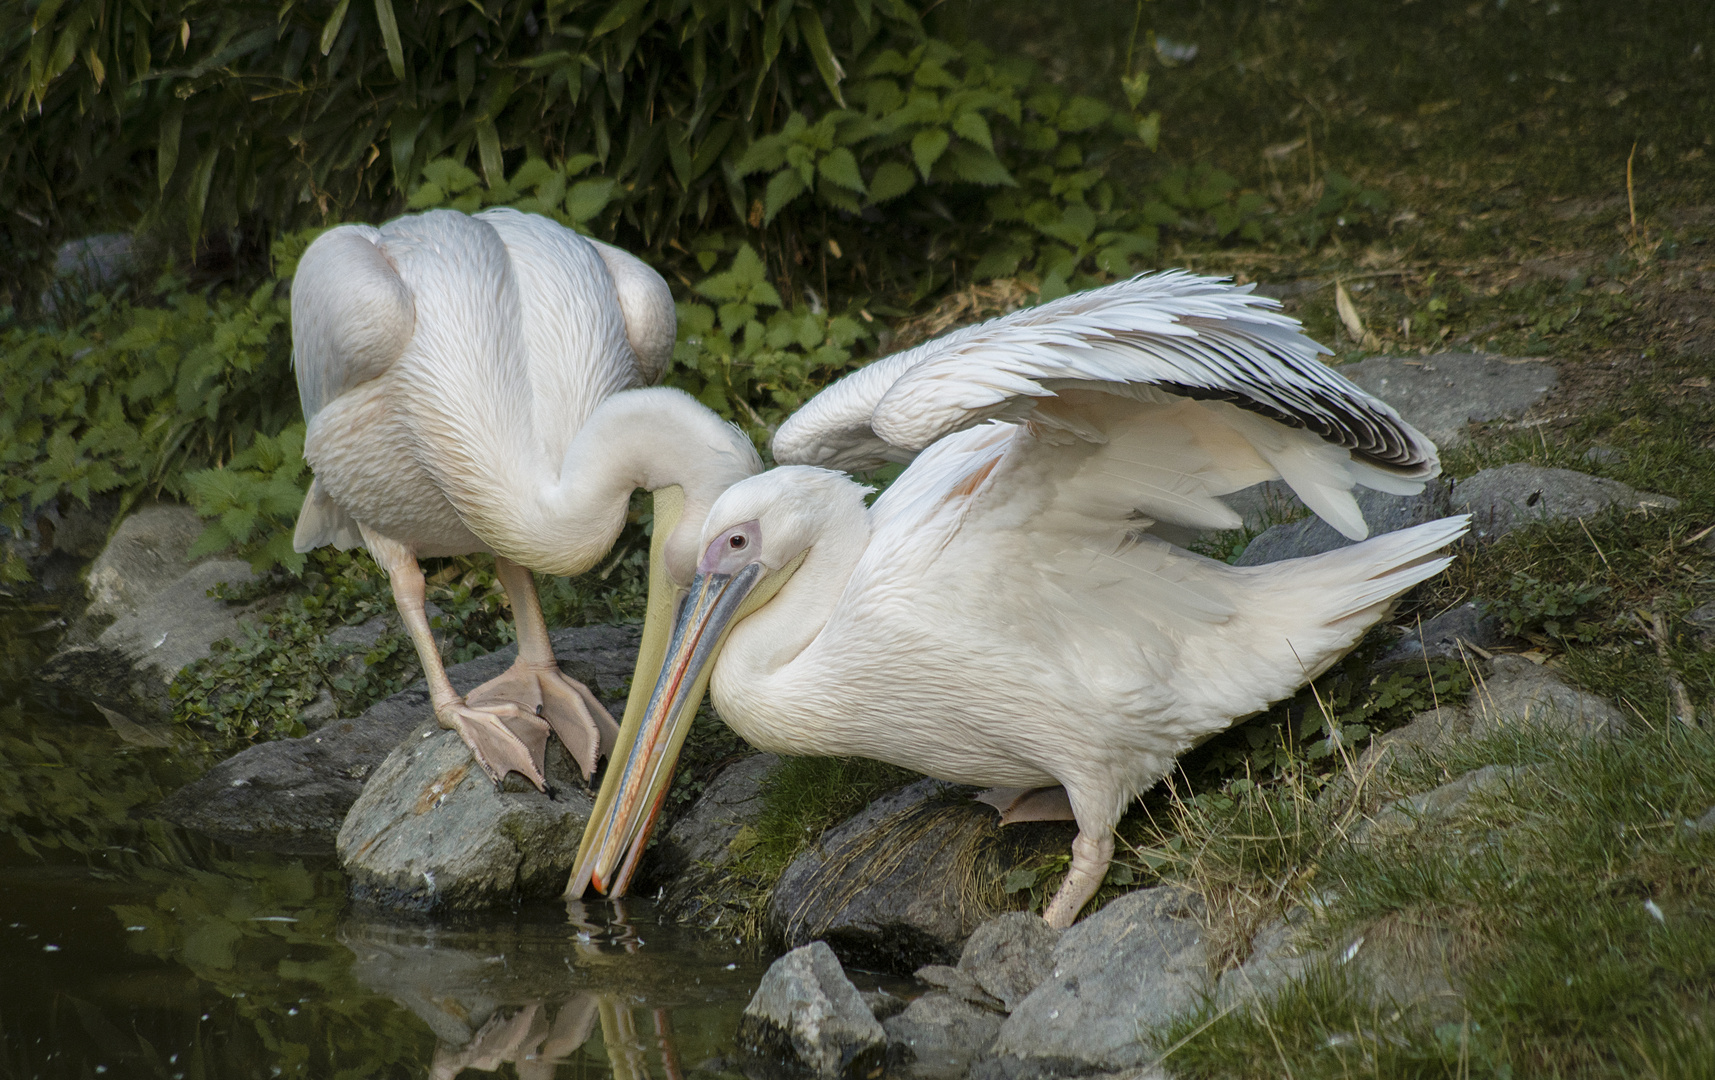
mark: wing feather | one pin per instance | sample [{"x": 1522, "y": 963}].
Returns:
[{"x": 352, "y": 315}]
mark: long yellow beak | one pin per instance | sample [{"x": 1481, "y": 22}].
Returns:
[{"x": 631, "y": 795}]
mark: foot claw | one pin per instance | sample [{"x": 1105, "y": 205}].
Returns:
[
  {"x": 564, "y": 704},
  {"x": 503, "y": 738}
]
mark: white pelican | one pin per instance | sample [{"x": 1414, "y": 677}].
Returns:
[
  {"x": 467, "y": 384},
  {"x": 1012, "y": 610}
]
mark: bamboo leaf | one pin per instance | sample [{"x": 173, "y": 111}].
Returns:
[
  {"x": 390, "y": 36},
  {"x": 197, "y": 196},
  {"x": 167, "y": 148},
  {"x": 330, "y": 30},
  {"x": 816, "y": 36},
  {"x": 488, "y": 148}
]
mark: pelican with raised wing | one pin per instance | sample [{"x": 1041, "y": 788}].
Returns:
[
  {"x": 1015, "y": 609},
  {"x": 478, "y": 384}
]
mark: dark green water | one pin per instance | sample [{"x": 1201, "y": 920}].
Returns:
[{"x": 131, "y": 948}]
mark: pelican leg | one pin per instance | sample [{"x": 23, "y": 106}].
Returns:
[
  {"x": 1090, "y": 859},
  {"x": 504, "y": 736},
  {"x": 536, "y": 682}
]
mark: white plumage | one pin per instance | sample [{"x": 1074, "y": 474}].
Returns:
[
  {"x": 468, "y": 384},
  {"x": 1013, "y": 610}
]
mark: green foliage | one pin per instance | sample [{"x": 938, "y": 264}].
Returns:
[
  {"x": 754, "y": 367},
  {"x": 132, "y": 397},
  {"x": 253, "y": 501},
  {"x": 1551, "y": 608},
  {"x": 1344, "y": 205},
  {"x": 1340, "y": 711}
]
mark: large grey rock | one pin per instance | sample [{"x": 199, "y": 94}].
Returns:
[
  {"x": 693, "y": 858},
  {"x": 807, "y": 1013},
  {"x": 137, "y": 657},
  {"x": 939, "y": 1035},
  {"x": 1009, "y": 956},
  {"x": 53, "y": 543},
  {"x": 1383, "y": 513},
  {"x": 1128, "y": 968},
  {"x": 905, "y": 882},
  {"x": 1517, "y": 691},
  {"x": 1444, "y": 394},
  {"x": 148, "y": 553},
  {"x": 293, "y": 794},
  {"x": 98, "y": 261},
  {"x": 1448, "y": 635},
  {"x": 1512, "y": 496},
  {"x": 431, "y": 832}
]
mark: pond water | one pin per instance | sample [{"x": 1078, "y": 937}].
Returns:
[{"x": 131, "y": 948}]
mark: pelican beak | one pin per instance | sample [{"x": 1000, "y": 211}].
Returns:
[{"x": 631, "y": 795}]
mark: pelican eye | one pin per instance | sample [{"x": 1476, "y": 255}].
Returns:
[{"x": 737, "y": 541}]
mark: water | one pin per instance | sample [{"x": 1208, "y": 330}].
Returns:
[{"x": 131, "y": 948}]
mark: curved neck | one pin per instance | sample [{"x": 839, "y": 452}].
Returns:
[{"x": 651, "y": 439}]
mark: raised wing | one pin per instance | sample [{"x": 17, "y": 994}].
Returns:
[
  {"x": 1261, "y": 404},
  {"x": 352, "y": 315}
]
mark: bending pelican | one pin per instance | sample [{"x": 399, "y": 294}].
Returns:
[
  {"x": 1013, "y": 611},
  {"x": 467, "y": 384}
]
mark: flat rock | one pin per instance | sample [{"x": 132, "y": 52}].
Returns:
[
  {"x": 137, "y": 657},
  {"x": 1517, "y": 691},
  {"x": 1383, "y": 513},
  {"x": 1513, "y": 496},
  {"x": 906, "y": 881},
  {"x": 1443, "y": 394},
  {"x": 1447, "y": 636},
  {"x": 1131, "y": 966},
  {"x": 807, "y": 1014},
  {"x": 431, "y": 832},
  {"x": 939, "y": 1035},
  {"x": 293, "y": 794},
  {"x": 1009, "y": 956},
  {"x": 692, "y": 859}
]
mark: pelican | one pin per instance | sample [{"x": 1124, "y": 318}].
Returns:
[
  {"x": 1015, "y": 610},
  {"x": 478, "y": 384}
]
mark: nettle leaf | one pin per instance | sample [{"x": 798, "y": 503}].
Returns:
[
  {"x": 891, "y": 180},
  {"x": 971, "y": 125},
  {"x": 786, "y": 185},
  {"x": 974, "y": 165},
  {"x": 840, "y": 167},
  {"x": 589, "y": 198},
  {"x": 927, "y": 146}
]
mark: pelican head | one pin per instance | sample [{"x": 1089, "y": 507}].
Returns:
[{"x": 755, "y": 537}]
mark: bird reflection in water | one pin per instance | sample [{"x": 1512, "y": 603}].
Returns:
[{"x": 502, "y": 996}]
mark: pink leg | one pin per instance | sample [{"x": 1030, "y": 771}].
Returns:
[
  {"x": 503, "y": 736},
  {"x": 536, "y": 682},
  {"x": 1090, "y": 858}
]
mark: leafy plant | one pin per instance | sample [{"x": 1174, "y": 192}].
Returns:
[
  {"x": 253, "y": 501},
  {"x": 1553, "y": 609},
  {"x": 1343, "y": 204}
]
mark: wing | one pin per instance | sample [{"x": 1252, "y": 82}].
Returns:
[
  {"x": 651, "y": 322},
  {"x": 1239, "y": 387},
  {"x": 352, "y": 315}
]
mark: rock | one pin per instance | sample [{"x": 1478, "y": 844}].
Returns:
[
  {"x": 137, "y": 657},
  {"x": 906, "y": 881},
  {"x": 1276, "y": 958},
  {"x": 939, "y": 1035},
  {"x": 1395, "y": 964},
  {"x": 959, "y": 984},
  {"x": 293, "y": 794},
  {"x": 1703, "y": 618},
  {"x": 1704, "y": 824},
  {"x": 807, "y": 1013},
  {"x": 1448, "y": 635},
  {"x": 1513, "y": 496},
  {"x": 1438, "y": 805},
  {"x": 1443, "y": 394},
  {"x": 691, "y": 860},
  {"x": 1268, "y": 503},
  {"x": 53, "y": 544},
  {"x": 1383, "y": 513},
  {"x": 148, "y": 552},
  {"x": 883, "y": 1005},
  {"x": 1010, "y": 955},
  {"x": 1131, "y": 966},
  {"x": 1520, "y": 692},
  {"x": 1423, "y": 734},
  {"x": 431, "y": 832},
  {"x": 97, "y": 261}
]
